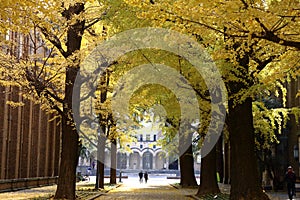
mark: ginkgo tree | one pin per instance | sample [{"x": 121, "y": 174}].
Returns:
[
  {"x": 255, "y": 43},
  {"x": 47, "y": 67},
  {"x": 259, "y": 41},
  {"x": 153, "y": 94}
]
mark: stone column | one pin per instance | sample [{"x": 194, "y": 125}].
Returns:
[
  {"x": 154, "y": 162},
  {"x": 167, "y": 163},
  {"x": 141, "y": 161},
  {"x": 127, "y": 160}
]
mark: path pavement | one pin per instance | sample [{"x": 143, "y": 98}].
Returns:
[
  {"x": 155, "y": 188},
  {"x": 161, "y": 188},
  {"x": 158, "y": 187},
  {"x": 281, "y": 196}
]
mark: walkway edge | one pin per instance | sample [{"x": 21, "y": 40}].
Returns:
[
  {"x": 192, "y": 196},
  {"x": 100, "y": 194}
]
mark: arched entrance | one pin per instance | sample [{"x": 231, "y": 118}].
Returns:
[
  {"x": 147, "y": 160},
  {"x": 134, "y": 161},
  {"x": 121, "y": 160}
]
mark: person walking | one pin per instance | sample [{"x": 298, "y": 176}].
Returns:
[
  {"x": 290, "y": 178},
  {"x": 141, "y": 176},
  {"x": 146, "y": 177}
]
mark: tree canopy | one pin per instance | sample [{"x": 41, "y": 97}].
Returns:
[{"x": 255, "y": 45}]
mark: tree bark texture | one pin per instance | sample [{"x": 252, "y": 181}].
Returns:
[
  {"x": 219, "y": 158},
  {"x": 103, "y": 120},
  {"x": 226, "y": 163},
  {"x": 68, "y": 163},
  {"x": 208, "y": 181},
  {"x": 69, "y": 151},
  {"x": 100, "y": 161},
  {"x": 113, "y": 167},
  {"x": 186, "y": 159},
  {"x": 244, "y": 173},
  {"x": 70, "y": 142}
]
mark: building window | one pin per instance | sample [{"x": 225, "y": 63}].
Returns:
[
  {"x": 141, "y": 138},
  {"x": 154, "y": 146},
  {"x": 148, "y": 137},
  {"x": 141, "y": 146},
  {"x": 154, "y": 138}
]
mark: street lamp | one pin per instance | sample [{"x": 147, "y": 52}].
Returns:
[{"x": 296, "y": 152}]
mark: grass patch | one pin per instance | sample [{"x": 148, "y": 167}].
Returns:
[
  {"x": 219, "y": 196},
  {"x": 45, "y": 197},
  {"x": 177, "y": 185},
  {"x": 91, "y": 187},
  {"x": 86, "y": 187},
  {"x": 84, "y": 191}
]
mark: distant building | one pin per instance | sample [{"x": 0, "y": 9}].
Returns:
[
  {"x": 286, "y": 152},
  {"x": 145, "y": 153}
]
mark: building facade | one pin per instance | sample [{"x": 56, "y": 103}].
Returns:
[
  {"x": 29, "y": 140},
  {"x": 145, "y": 153}
]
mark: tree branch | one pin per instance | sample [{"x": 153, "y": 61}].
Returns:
[
  {"x": 262, "y": 25},
  {"x": 94, "y": 21},
  {"x": 55, "y": 107},
  {"x": 195, "y": 22},
  {"x": 53, "y": 39},
  {"x": 269, "y": 36},
  {"x": 245, "y": 4},
  {"x": 262, "y": 64},
  {"x": 53, "y": 96}
]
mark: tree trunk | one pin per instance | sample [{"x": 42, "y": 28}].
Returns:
[
  {"x": 104, "y": 80},
  {"x": 69, "y": 158},
  {"x": 244, "y": 175},
  {"x": 219, "y": 158},
  {"x": 98, "y": 171},
  {"x": 69, "y": 152},
  {"x": 70, "y": 149},
  {"x": 208, "y": 181},
  {"x": 100, "y": 161},
  {"x": 226, "y": 163},
  {"x": 187, "y": 174},
  {"x": 244, "y": 168},
  {"x": 101, "y": 166},
  {"x": 186, "y": 158},
  {"x": 113, "y": 167}
]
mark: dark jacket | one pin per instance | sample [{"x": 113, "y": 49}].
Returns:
[{"x": 290, "y": 177}]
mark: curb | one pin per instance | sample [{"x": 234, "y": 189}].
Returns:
[
  {"x": 192, "y": 196},
  {"x": 100, "y": 194},
  {"x": 95, "y": 196}
]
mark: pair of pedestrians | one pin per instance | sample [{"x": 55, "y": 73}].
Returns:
[{"x": 145, "y": 175}]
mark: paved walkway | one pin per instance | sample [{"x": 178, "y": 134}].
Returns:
[
  {"x": 157, "y": 188},
  {"x": 154, "y": 189},
  {"x": 281, "y": 196}
]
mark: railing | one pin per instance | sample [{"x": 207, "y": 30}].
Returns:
[{"x": 7, "y": 185}]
